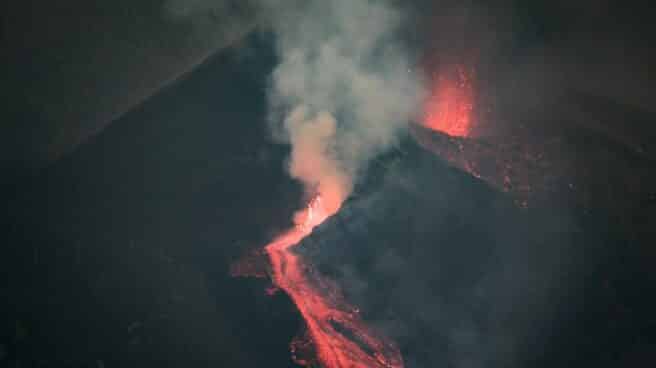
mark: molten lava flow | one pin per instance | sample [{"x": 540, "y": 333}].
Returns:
[
  {"x": 339, "y": 336},
  {"x": 450, "y": 104}
]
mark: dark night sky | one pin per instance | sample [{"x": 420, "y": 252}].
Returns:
[{"x": 133, "y": 177}]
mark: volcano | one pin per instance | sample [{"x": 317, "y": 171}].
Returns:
[
  {"x": 437, "y": 257},
  {"x": 527, "y": 244}
]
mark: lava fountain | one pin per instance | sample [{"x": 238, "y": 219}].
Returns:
[
  {"x": 449, "y": 106},
  {"x": 339, "y": 336}
]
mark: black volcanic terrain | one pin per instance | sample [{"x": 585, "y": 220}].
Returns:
[
  {"x": 128, "y": 264},
  {"x": 461, "y": 273}
]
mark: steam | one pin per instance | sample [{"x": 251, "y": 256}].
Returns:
[
  {"x": 311, "y": 159},
  {"x": 343, "y": 91}
]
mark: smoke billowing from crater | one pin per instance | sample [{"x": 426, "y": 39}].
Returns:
[{"x": 343, "y": 90}]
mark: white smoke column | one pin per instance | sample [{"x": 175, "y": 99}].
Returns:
[
  {"x": 344, "y": 88},
  {"x": 311, "y": 159}
]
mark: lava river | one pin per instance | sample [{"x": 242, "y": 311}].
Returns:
[{"x": 338, "y": 335}]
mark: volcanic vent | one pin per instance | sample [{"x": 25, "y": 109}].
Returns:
[
  {"x": 337, "y": 333},
  {"x": 340, "y": 95}
]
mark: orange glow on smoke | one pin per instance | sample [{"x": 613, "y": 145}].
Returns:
[
  {"x": 449, "y": 106},
  {"x": 327, "y": 315}
]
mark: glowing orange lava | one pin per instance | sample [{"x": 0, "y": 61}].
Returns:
[
  {"x": 450, "y": 104},
  {"x": 340, "y": 337}
]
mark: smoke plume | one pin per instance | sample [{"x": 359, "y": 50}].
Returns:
[{"x": 344, "y": 88}]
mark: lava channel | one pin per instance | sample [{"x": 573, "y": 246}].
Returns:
[{"x": 339, "y": 336}]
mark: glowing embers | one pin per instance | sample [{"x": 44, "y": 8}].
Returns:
[
  {"x": 449, "y": 108},
  {"x": 337, "y": 334}
]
